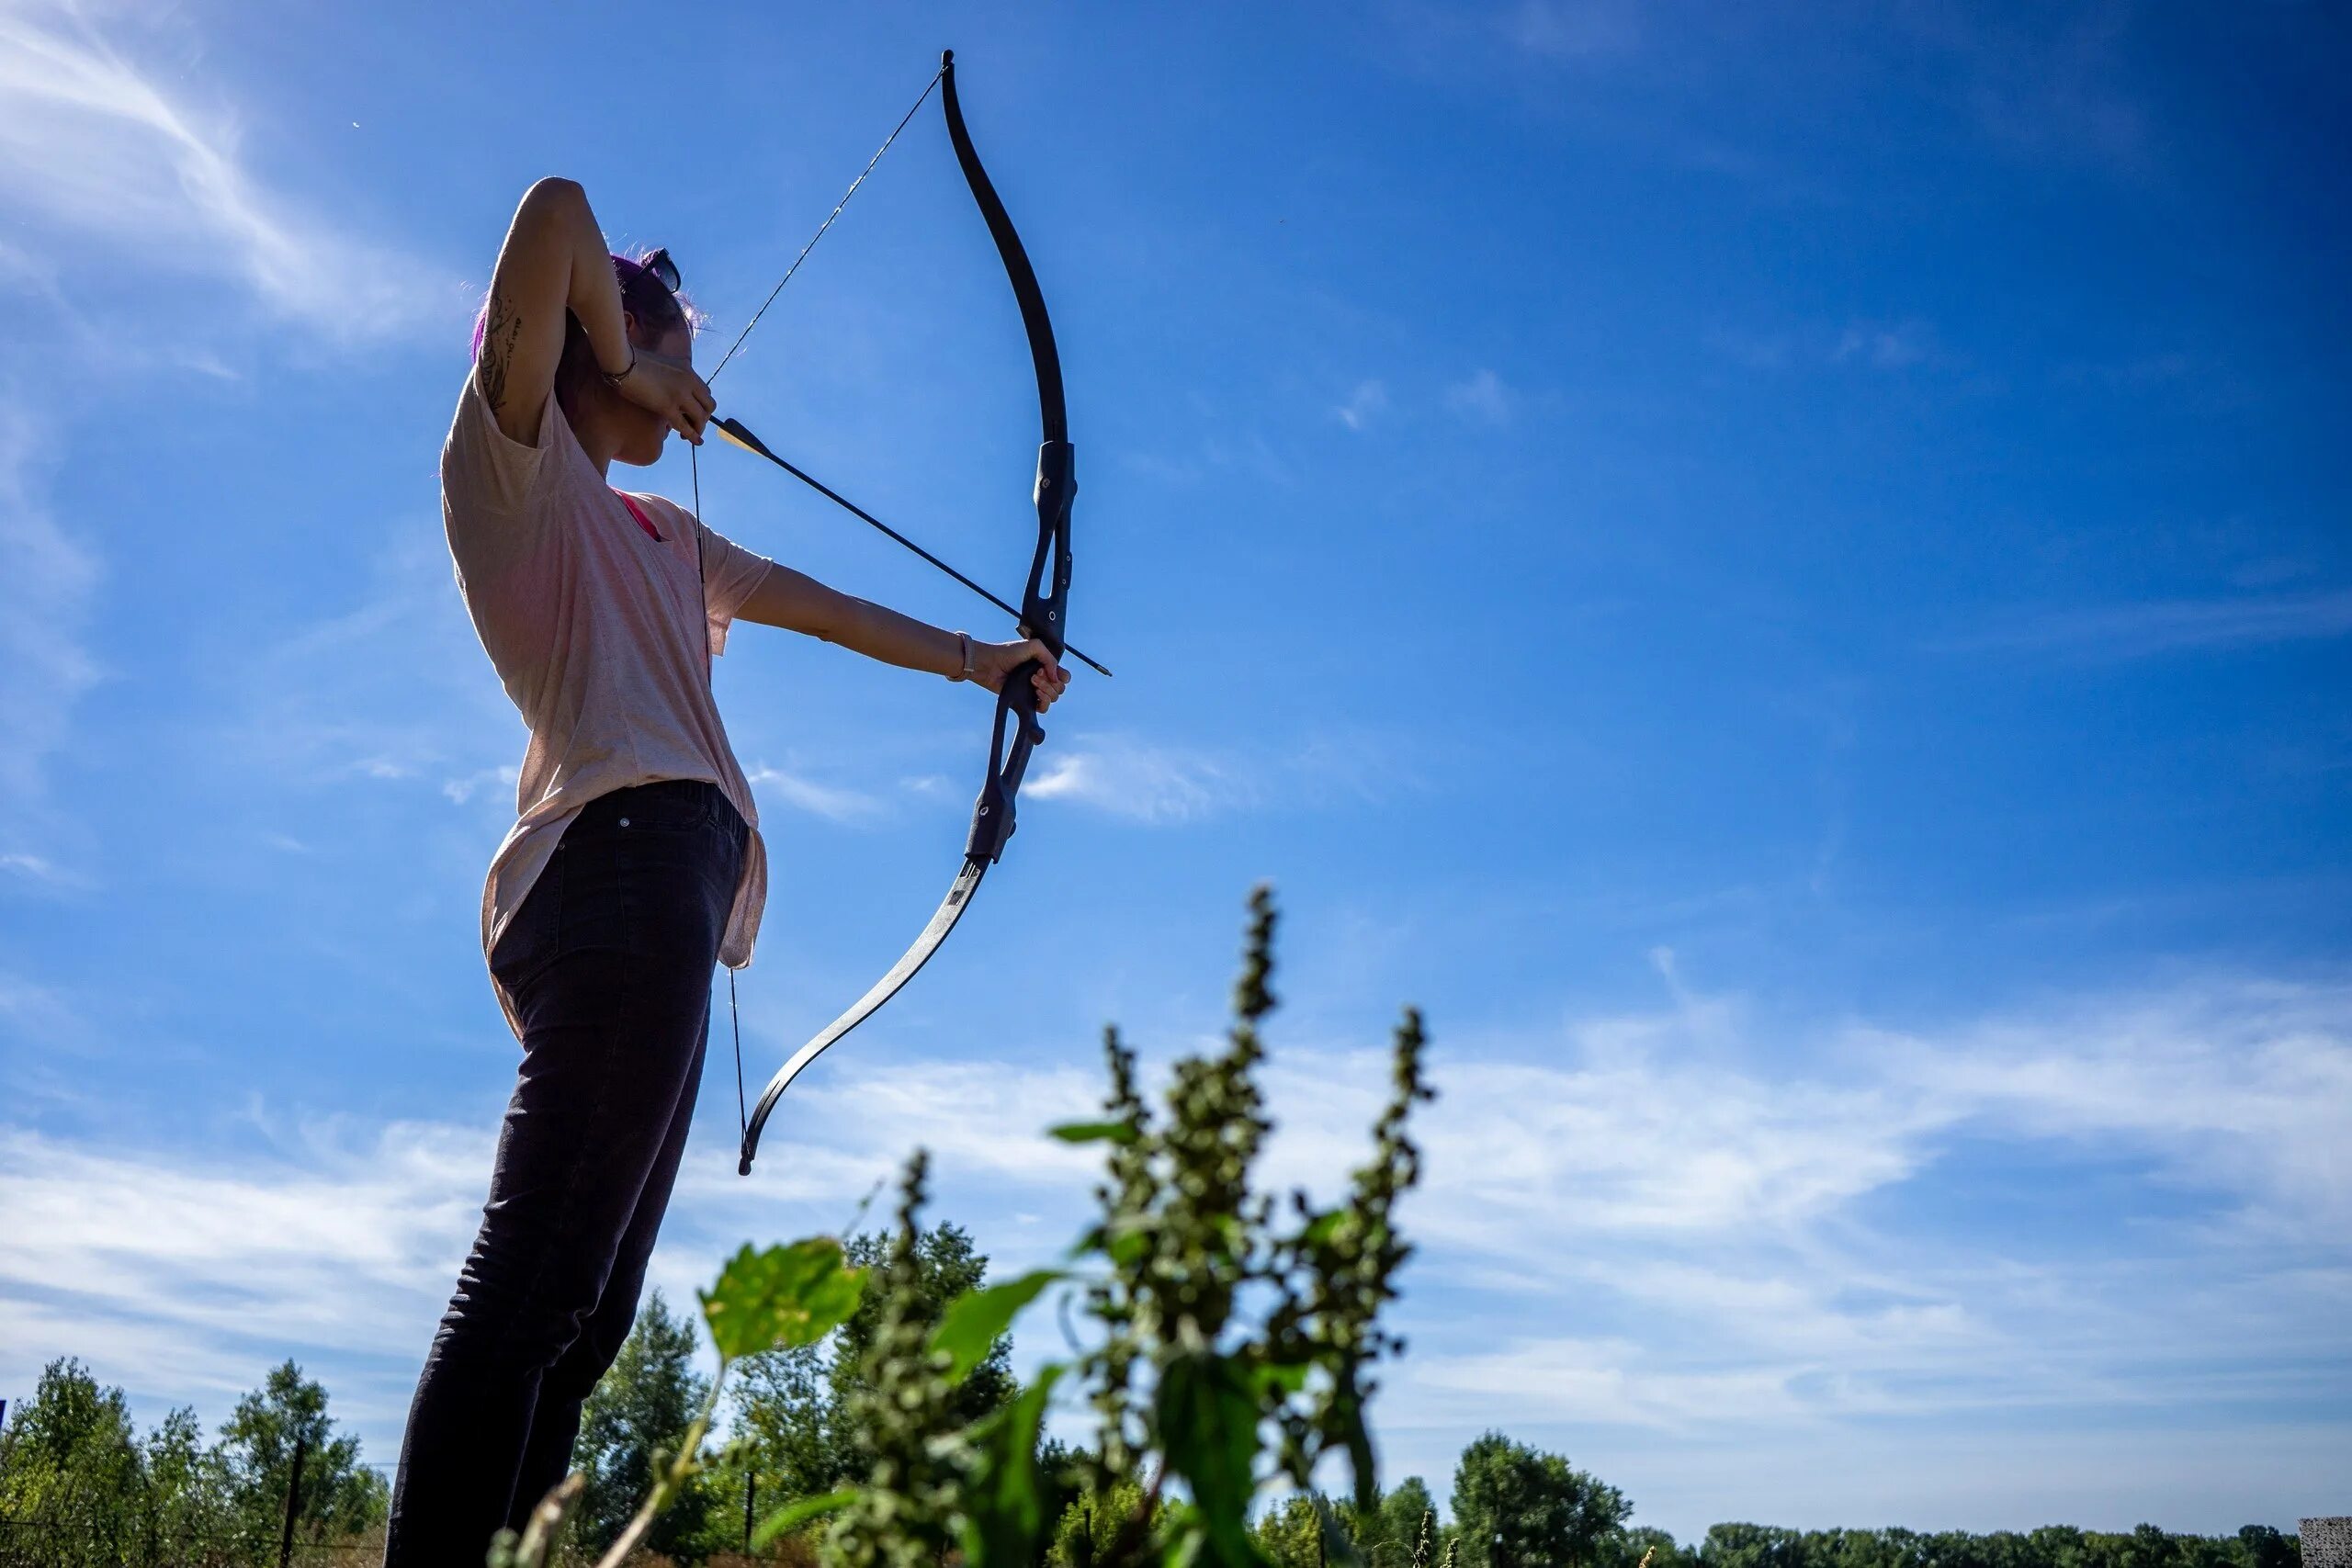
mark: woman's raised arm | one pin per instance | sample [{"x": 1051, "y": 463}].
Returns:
[{"x": 554, "y": 260}]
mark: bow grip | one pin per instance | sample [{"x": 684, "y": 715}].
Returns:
[{"x": 992, "y": 815}]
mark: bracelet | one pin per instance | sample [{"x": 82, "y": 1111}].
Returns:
[
  {"x": 613, "y": 378},
  {"x": 964, "y": 640}
]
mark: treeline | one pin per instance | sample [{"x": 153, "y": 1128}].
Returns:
[
  {"x": 80, "y": 1488},
  {"x": 1510, "y": 1505}
]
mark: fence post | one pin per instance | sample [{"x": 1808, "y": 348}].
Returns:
[{"x": 293, "y": 1502}]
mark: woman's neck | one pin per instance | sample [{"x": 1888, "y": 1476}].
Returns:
[{"x": 593, "y": 426}]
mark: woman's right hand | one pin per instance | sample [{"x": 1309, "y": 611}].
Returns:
[{"x": 670, "y": 388}]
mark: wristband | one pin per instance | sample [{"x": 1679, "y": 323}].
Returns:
[
  {"x": 615, "y": 378},
  {"x": 964, "y": 642}
]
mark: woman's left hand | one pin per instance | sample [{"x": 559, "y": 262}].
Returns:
[{"x": 992, "y": 661}]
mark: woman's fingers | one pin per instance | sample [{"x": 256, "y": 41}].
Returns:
[
  {"x": 1050, "y": 680},
  {"x": 1047, "y": 682}
]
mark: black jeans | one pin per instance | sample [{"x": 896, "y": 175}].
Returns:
[{"x": 609, "y": 963}]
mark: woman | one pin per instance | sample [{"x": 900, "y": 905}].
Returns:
[{"x": 636, "y": 863}]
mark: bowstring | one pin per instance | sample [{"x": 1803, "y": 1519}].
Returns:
[
  {"x": 694, "y": 470},
  {"x": 921, "y": 98}
]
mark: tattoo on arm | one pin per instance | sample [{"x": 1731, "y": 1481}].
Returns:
[{"x": 498, "y": 337}]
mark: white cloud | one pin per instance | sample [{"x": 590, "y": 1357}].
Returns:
[
  {"x": 1483, "y": 397},
  {"x": 1140, "y": 781},
  {"x": 90, "y": 144},
  {"x": 2243, "y": 1090},
  {"x": 44, "y": 872},
  {"x": 1160, "y": 785},
  {"x": 804, "y": 794},
  {"x": 1885, "y": 346},
  {"x": 1890, "y": 345},
  {"x": 463, "y": 789},
  {"x": 1367, "y": 402}
]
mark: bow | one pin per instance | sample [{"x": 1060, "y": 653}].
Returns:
[{"x": 1045, "y": 603}]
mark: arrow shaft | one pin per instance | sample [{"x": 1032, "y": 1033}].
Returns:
[{"x": 738, "y": 433}]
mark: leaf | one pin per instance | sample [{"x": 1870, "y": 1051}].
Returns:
[
  {"x": 792, "y": 1516},
  {"x": 1208, "y": 1424},
  {"x": 782, "y": 1299},
  {"x": 1323, "y": 1227},
  {"x": 1126, "y": 1240},
  {"x": 1004, "y": 1507},
  {"x": 1094, "y": 1133},
  {"x": 1283, "y": 1377},
  {"x": 967, "y": 1331}
]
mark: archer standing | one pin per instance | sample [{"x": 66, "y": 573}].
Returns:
[{"x": 635, "y": 864}]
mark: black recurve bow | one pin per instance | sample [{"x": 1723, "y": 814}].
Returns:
[{"x": 1045, "y": 603}]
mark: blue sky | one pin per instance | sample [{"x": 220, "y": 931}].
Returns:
[{"x": 1783, "y": 571}]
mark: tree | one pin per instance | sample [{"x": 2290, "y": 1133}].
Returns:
[
  {"x": 793, "y": 1407},
  {"x": 1752, "y": 1546},
  {"x": 2260, "y": 1546},
  {"x": 1389, "y": 1542},
  {"x": 192, "y": 1510},
  {"x": 1627, "y": 1548},
  {"x": 642, "y": 1406},
  {"x": 1517, "y": 1507},
  {"x": 1091, "y": 1523},
  {"x": 1289, "y": 1533},
  {"x": 339, "y": 1496},
  {"x": 70, "y": 1468}
]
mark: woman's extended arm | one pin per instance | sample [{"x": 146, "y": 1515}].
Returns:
[{"x": 797, "y": 601}]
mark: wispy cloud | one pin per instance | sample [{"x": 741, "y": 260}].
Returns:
[
  {"x": 1572, "y": 29},
  {"x": 1885, "y": 346},
  {"x": 90, "y": 144},
  {"x": 2048, "y": 84},
  {"x": 1142, "y": 781},
  {"x": 1903, "y": 344},
  {"x": 833, "y": 802},
  {"x": 47, "y": 583},
  {"x": 1706, "y": 1243},
  {"x": 1164, "y": 785},
  {"x": 1483, "y": 399},
  {"x": 40, "y": 871},
  {"x": 1367, "y": 402},
  {"x": 2158, "y": 627},
  {"x": 463, "y": 789},
  {"x": 391, "y": 689}
]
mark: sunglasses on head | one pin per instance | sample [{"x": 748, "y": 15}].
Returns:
[{"x": 663, "y": 269}]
